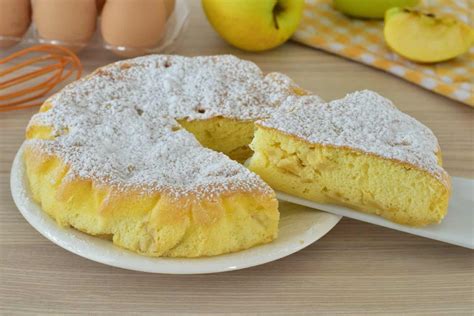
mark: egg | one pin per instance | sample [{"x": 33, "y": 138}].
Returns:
[
  {"x": 15, "y": 18},
  {"x": 135, "y": 25},
  {"x": 71, "y": 22},
  {"x": 169, "y": 5}
]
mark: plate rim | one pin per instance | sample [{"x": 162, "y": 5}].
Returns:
[{"x": 25, "y": 204}]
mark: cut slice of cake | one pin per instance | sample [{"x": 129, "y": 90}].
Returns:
[{"x": 359, "y": 151}]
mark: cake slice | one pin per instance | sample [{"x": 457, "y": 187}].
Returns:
[{"x": 360, "y": 152}]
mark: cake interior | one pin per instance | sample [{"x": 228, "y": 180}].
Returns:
[
  {"x": 229, "y": 136},
  {"x": 326, "y": 174},
  {"x": 346, "y": 177}
]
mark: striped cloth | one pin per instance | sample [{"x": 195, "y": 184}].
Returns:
[{"x": 325, "y": 28}]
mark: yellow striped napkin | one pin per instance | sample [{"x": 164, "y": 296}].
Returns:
[{"x": 325, "y": 28}]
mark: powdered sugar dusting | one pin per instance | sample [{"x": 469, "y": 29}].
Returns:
[
  {"x": 363, "y": 121},
  {"x": 118, "y": 126},
  {"x": 182, "y": 87}
]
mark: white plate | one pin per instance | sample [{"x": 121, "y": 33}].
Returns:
[{"x": 299, "y": 227}]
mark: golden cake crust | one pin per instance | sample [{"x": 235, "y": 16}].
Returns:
[{"x": 154, "y": 224}]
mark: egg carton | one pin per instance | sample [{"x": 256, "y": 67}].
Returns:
[{"x": 98, "y": 51}]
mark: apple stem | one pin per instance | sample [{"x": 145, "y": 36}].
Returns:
[{"x": 276, "y": 10}]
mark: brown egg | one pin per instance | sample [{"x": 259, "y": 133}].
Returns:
[
  {"x": 100, "y": 5},
  {"x": 169, "y": 5},
  {"x": 15, "y": 18},
  {"x": 136, "y": 25},
  {"x": 70, "y": 21}
]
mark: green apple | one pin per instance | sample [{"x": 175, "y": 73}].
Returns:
[
  {"x": 424, "y": 37},
  {"x": 373, "y": 9},
  {"x": 254, "y": 25}
]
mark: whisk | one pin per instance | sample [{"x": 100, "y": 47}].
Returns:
[{"x": 54, "y": 65}]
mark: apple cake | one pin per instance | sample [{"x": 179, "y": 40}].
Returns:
[
  {"x": 144, "y": 152},
  {"x": 359, "y": 151},
  {"x": 136, "y": 152}
]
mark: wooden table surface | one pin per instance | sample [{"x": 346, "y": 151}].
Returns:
[{"x": 356, "y": 268}]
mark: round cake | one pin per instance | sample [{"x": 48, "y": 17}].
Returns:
[
  {"x": 146, "y": 152},
  {"x": 138, "y": 152}
]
